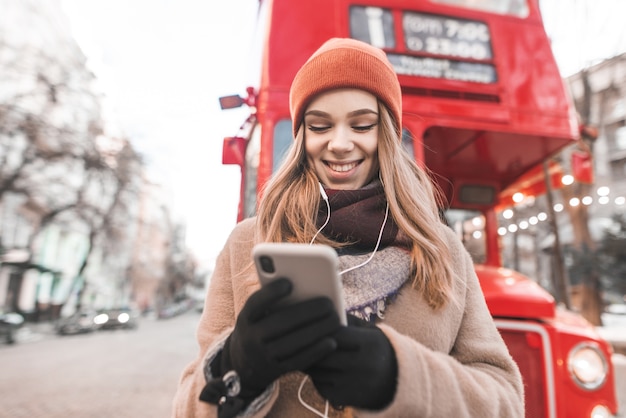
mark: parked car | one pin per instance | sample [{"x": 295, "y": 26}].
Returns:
[
  {"x": 10, "y": 322},
  {"x": 117, "y": 318},
  {"x": 78, "y": 323}
]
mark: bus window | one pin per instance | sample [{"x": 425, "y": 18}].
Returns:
[
  {"x": 250, "y": 174},
  {"x": 282, "y": 141},
  {"x": 372, "y": 25},
  {"x": 470, "y": 227},
  {"x": 517, "y": 8}
]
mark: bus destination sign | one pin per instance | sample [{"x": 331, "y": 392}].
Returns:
[
  {"x": 441, "y": 35},
  {"x": 443, "y": 68},
  {"x": 458, "y": 40}
]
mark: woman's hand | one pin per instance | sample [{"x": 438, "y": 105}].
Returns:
[
  {"x": 269, "y": 341},
  {"x": 362, "y": 370}
]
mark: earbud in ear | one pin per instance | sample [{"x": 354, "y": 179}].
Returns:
[{"x": 325, "y": 197}]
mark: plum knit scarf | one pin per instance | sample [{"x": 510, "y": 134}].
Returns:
[{"x": 356, "y": 217}]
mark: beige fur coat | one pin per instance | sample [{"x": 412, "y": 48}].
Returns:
[{"x": 451, "y": 362}]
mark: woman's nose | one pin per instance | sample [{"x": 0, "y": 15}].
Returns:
[{"x": 341, "y": 140}]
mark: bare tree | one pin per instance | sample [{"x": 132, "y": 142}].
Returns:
[
  {"x": 106, "y": 220},
  {"x": 53, "y": 152},
  {"x": 56, "y": 156},
  {"x": 583, "y": 248},
  {"x": 48, "y": 120}
]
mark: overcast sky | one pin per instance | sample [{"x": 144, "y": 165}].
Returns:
[
  {"x": 164, "y": 64},
  {"x": 583, "y": 32}
]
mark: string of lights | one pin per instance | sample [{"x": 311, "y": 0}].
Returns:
[{"x": 603, "y": 197}]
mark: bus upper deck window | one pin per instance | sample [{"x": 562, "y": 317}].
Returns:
[
  {"x": 517, "y": 8},
  {"x": 373, "y": 25}
]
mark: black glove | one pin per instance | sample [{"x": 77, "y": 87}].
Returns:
[
  {"x": 361, "y": 372},
  {"x": 270, "y": 340}
]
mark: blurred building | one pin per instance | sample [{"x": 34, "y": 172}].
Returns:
[
  {"x": 34, "y": 65},
  {"x": 607, "y": 103},
  {"x": 80, "y": 225},
  {"x": 150, "y": 254}
]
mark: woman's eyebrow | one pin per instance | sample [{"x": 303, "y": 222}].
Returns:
[
  {"x": 314, "y": 112},
  {"x": 358, "y": 112}
]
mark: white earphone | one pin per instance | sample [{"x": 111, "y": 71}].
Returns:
[
  {"x": 323, "y": 192},
  {"x": 325, "y": 197}
]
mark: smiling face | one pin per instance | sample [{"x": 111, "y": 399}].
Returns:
[{"x": 341, "y": 138}]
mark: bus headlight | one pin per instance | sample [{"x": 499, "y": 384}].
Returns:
[
  {"x": 600, "y": 411},
  {"x": 587, "y": 366}
]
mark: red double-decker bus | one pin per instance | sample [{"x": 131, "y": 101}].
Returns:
[{"x": 483, "y": 104}]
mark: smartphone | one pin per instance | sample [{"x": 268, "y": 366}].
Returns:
[{"x": 313, "y": 270}]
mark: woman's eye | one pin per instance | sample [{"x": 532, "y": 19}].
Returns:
[
  {"x": 364, "y": 128},
  {"x": 318, "y": 128}
]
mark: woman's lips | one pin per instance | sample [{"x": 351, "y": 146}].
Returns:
[{"x": 343, "y": 167}]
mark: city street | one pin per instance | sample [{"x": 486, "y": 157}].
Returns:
[
  {"x": 619, "y": 362},
  {"x": 122, "y": 373}
]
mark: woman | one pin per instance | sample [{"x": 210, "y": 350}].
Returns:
[{"x": 420, "y": 341}]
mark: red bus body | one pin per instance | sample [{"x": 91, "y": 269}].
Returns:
[{"x": 484, "y": 105}]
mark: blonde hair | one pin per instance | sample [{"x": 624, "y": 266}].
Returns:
[{"x": 291, "y": 199}]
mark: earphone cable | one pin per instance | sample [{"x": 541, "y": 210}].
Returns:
[
  {"x": 380, "y": 236},
  {"x": 306, "y": 405},
  {"x": 325, "y": 223}
]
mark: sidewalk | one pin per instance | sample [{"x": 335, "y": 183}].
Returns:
[
  {"x": 616, "y": 337},
  {"x": 614, "y": 331},
  {"x": 32, "y": 331}
]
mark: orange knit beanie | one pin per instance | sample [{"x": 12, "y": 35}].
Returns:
[{"x": 345, "y": 63}]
